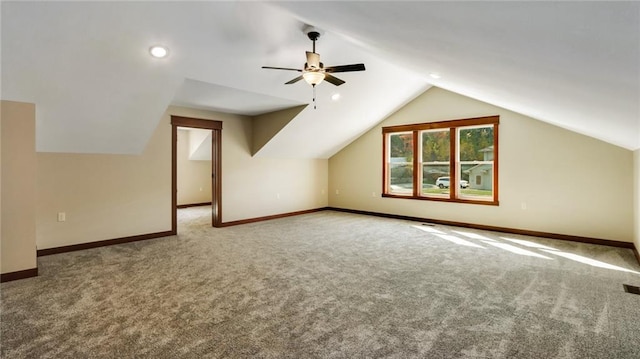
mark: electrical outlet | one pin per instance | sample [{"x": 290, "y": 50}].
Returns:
[
  {"x": 523, "y": 205},
  {"x": 62, "y": 216},
  {"x": 278, "y": 195},
  {"x": 373, "y": 194},
  {"x": 337, "y": 191}
]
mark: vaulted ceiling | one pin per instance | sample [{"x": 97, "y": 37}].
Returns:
[{"x": 86, "y": 65}]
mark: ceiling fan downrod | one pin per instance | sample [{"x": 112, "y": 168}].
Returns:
[{"x": 313, "y": 36}]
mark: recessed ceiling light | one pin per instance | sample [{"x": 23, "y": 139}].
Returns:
[
  {"x": 435, "y": 75},
  {"x": 158, "y": 51},
  {"x": 335, "y": 96}
]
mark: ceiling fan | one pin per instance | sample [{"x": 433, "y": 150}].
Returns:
[{"x": 314, "y": 71}]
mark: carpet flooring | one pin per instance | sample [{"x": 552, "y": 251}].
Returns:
[{"x": 327, "y": 285}]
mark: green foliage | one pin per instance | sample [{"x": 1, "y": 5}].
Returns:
[
  {"x": 402, "y": 174},
  {"x": 435, "y": 146},
  {"x": 402, "y": 146},
  {"x": 473, "y": 140}
]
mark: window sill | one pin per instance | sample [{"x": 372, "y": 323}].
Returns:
[{"x": 435, "y": 199}]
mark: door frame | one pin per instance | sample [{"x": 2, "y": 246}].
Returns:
[{"x": 216, "y": 166}]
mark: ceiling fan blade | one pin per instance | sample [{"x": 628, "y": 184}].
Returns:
[
  {"x": 294, "y": 80},
  {"x": 345, "y": 68},
  {"x": 332, "y": 79},
  {"x": 281, "y": 68},
  {"x": 313, "y": 60}
]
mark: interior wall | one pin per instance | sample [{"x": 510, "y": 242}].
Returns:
[
  {"x": 197, "y": 138},
  {"x": 551, "y": 180},
  {"x": 636, "y": 167},
  {"x": 105, "y": 196},
  {"x": 255, "y": 186},
  {"x": 113, "y": 196},
  {"x": 194, "y": 176},
  {"x": 17, "y": 186},
  {"x": 267, "y": 125}
]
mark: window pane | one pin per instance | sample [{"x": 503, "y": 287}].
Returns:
[
  {"x": 476, "y": 162},
  {"x": 436, "y": 154},
  {"x": 400, "y": 163},
  {"x": 436, "y": 146}
]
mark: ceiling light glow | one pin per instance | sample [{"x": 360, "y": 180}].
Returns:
[
  {"x": 158, "y": 51},
  {"x": 335, "y": 96},
  {"x": 435, "y": 75}
]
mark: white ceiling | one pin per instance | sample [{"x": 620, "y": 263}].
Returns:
[
  {"x": 205, "y": 95},
  {"x": 97, "y": 90}
]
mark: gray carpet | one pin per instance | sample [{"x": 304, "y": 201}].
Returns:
[{"x": 327, "y": 285}]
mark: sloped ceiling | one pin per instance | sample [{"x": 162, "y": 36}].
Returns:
[
  {"x": 204, "y": 95},
  {"x": 573, "y": 64},
  {"x": 97, "y": 90}
]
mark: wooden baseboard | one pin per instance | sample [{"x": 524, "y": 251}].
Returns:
[
  {"x": 22, "y": 274},
  {"x": 564, "y": 237},
  {"x": 193, "y": 205},
  {"x": 275, "y": 216},
  {"x": 75, "y": 247},
  {"x": 108, "y": 242}
]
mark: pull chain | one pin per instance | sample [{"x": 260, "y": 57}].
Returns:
[{"x": 314, "y": 97}]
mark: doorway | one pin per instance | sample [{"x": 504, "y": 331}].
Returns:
[{"x": 216, "y": 167}]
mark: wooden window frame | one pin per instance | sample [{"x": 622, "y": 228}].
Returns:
[{"x": 453, "y": 126}]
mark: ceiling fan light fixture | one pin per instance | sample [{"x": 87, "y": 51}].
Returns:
[{"x": 313, "y": 78}]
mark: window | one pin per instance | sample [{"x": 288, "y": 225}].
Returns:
[
  {"x": 444, "y": 161},
  {"x": 400, "y": 163}
]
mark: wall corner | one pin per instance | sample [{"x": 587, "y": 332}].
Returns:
[{"x": 18, "y": 190}]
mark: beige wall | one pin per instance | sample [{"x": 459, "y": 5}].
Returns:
[
  {"x": 569, "y": 183},
  {"x": 254, "y": 186},
  {"x": 636, "y": 167},
  {"x": 17, "y": 186},
  {"x": 113, "y": 196},
  {"x": 105, "y": 196},
  {"x": 194, "y": 176},
  {"x": 266, "y": 126}
]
